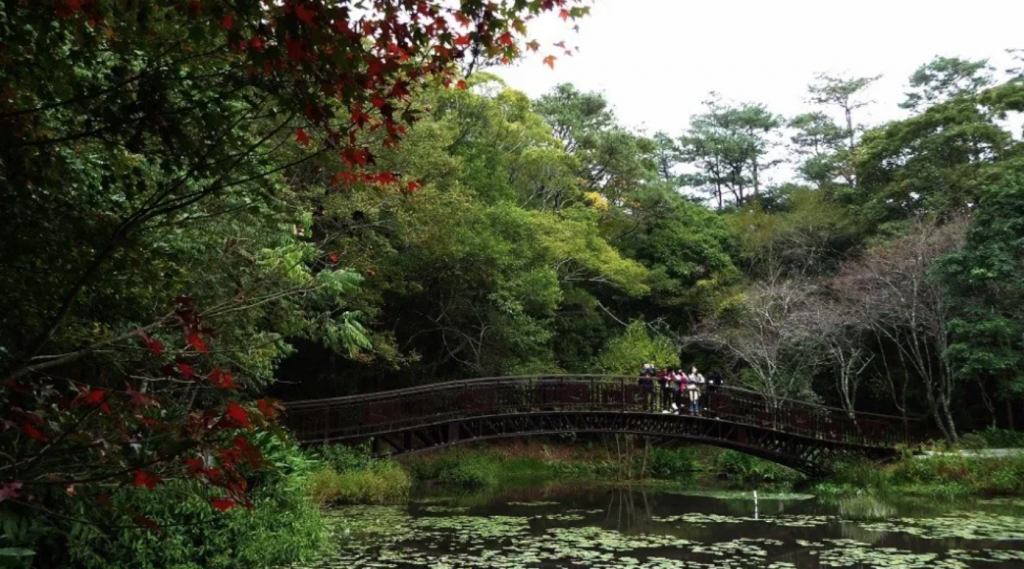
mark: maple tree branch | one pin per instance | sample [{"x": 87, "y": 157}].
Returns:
[{"x": 72, "y": 356}]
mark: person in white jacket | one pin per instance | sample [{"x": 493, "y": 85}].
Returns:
[{"x": 698, "y": 384}]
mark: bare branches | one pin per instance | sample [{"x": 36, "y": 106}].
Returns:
[
  {"x": 772, "y": 335},
  {"x": 891, "y": 291}
]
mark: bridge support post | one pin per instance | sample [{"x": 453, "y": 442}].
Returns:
[{"x": 453, "y": 433}]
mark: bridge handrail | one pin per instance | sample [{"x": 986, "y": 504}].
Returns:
[
  {"x": 398, "y": 393},
  {"x": 389, "y": 411}
]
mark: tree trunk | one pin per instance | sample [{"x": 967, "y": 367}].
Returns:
[{"x": 949, "y": 419}]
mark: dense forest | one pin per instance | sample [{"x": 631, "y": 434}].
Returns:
[
  {"x": 209, "y": 204},
  {"x": 547, "y": 237}
]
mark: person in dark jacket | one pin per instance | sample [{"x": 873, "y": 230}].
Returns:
[
  {"x": 714, "y": 384},
  {"x": 646, "y": 381},
  {"x": 665, "y": 381}
]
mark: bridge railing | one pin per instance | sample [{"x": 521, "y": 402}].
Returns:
[{"x": 371, "y": 414}]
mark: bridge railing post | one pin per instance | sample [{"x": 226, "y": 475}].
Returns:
[{"x": 327, "y": 421}]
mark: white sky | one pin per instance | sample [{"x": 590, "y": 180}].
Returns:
[{"x": 657, "y": 60}]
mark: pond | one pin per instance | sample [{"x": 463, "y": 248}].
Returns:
[{"x": 633, "y": 528}]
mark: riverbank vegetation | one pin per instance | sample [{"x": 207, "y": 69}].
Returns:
[
  {"x": 351, "y": 476},
  {"x": 212, "y": 205},
  {"x": 942, "y": 477}
]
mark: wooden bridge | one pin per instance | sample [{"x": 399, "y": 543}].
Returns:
[{"x": 804, "y": 436}]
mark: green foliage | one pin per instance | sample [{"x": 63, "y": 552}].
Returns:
[
  {"x": 796, "y": 231},
  {"x": 672, "y": 463},
  {"x": 380, "y": 482},
  {"x": 859, "y": 474},
  {"x": 986, "y": 291},
  {"x": 741, "y": 470},
  {"x": 954, "y": 146},
  {"x": 343, "y": 458},
  {"x": 463, "y": 470},
  {"x": 972, "y": 441},
  {"x": 946, "y": 77},
  {"x": 1003, "y": 438},
  {"x": 283, "y": 526},
  {"x": 729, "y": 146},
  {"x": 637, "y": 345},
  {"x": 351, "y": 475},
  {"x": 946, "y": 476}
]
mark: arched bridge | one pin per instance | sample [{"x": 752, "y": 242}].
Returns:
[{"x": 801, "y": 435}]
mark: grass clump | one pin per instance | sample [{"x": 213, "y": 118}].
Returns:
[
  {"x": 381, "y": 482},
  {"x": 350, "y": 475}
]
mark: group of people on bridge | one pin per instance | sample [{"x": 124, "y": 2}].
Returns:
[{"x": 678, "y": 391}]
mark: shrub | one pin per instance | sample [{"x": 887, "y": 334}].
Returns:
[
  {"x": 344, "y": 458},
  {"x": 744, "y": 469},
  {"x": 284, "y": 525},
  {"x": 973, "y": 441},
  {"x": 1003, "y": 438},
  {"x": 458, "y": 469},
  {"x": 914, "y": 471},
  {"x": 476, "y": 472},
  {"x": 324, "y": 486},
  {"x": 860, "y": 474},
  {"x": 380, "y": 482},
  {"x": 670, "y": 464}
]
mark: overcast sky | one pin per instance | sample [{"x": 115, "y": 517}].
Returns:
[{"x": 657, "y": 60}]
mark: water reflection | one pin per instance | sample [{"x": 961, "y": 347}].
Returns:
[{"x": 636, "y": 528}]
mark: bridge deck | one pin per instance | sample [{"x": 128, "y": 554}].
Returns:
[{"x": 389, "y": 413}]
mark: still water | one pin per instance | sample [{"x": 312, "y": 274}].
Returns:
[{"x": 632, "y": 528}]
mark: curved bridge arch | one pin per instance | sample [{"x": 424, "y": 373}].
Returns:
[{"x": 803, "y": 436}]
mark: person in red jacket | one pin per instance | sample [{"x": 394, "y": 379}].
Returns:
[{"x": 681, "y": 395}]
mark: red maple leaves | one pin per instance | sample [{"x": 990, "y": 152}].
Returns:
[
  {"x": 194, "y": 340},
  {"x": 31, "y": 430},
  {"x": 236, "y": 416},
  {"x": 143, "y": 478},
  {"x": 186, "y": 370},
  {"x": 222, "y": 504},
  {"x": 305, "y": 14},
  {"x": 222, "y": 379},
  {"x": 267, "y": 408},
  {"x": 154, "y": 346}
]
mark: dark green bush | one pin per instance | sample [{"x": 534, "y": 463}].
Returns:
[
  {"x": 1003, "y": 438},
  {"x": 973, "y": 441},
  {"x": 743, "y": 469},
  {"x": 671, "y": 464},
  {"x": 283, "y": 526},
  {"x": 860, "y": 474},
  {"x": 459, "y": 469},
  {"x": 343, "y": 458}
]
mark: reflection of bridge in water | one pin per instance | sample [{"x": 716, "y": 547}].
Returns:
[{"x": 801, "y": 435}]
